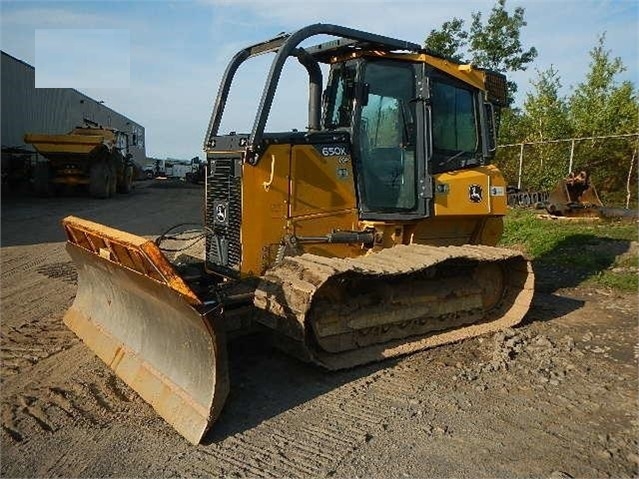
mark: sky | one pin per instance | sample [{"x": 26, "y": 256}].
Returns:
[
  {"x": 177, "y": 51},
  {"x": 53, "y": 70}
]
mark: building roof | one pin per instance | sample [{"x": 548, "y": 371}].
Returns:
[{"x": 73, "y": 89}]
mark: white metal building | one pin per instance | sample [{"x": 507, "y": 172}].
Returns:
[{"x": 27, "y": 109}]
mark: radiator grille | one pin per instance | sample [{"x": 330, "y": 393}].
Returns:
[{"x": 223, "y": 213}]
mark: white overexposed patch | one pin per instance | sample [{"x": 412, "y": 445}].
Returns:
[{"x": 82, "y": 58}]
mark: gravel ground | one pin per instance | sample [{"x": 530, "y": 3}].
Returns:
[{"x": 555, "y": 397}]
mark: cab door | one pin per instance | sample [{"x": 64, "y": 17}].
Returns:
[{"x": 389, "y": 137}]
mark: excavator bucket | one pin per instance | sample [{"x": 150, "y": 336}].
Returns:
[
  {"x": 137, "y": 314},
  {"x": 575, "y": 195}
]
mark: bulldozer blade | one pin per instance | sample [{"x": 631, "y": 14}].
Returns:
[{"x": 135, "y": 313}]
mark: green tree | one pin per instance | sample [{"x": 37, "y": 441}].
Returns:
[
  {"x": 545, "y": 110},
  {"x": 495, "y": 44},
  {"x": 545, "y": 117},
  {"x": 449, "y": 40},
  {"x": 604, "y": 105},
  {"x": 601, "y": 105},
  {"x": 512, "y": 126}
]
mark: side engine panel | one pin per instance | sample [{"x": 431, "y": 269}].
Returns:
[{"x": 223, "y": 213}]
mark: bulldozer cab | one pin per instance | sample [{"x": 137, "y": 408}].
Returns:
[
  {"x": 401, "y": 113},
  {"x": 407, "y": 121}
]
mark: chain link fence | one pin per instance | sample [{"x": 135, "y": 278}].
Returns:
[{"x": 536, "y": 167}]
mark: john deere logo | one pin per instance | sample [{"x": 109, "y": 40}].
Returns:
[
  {"x": 474, "y": 193},
  {"x": 220, "y": 213}
]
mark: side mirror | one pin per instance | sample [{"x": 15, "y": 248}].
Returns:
[
  {"x": 491, "y": 127},
  {"x": 362, "y": 89}
]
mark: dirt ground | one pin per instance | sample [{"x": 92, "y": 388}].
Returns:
[{"x": 556, "y": 397}]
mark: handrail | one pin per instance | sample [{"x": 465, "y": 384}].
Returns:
[{"x": 287, "y": 45}]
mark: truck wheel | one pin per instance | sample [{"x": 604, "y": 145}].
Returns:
[
  {"x": 127, "y": 180},
  {"x": 42, "y": 179},
  {"x": 100, "y": 180}
]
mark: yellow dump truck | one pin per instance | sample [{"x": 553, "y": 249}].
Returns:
[{"x": 85, "y": 156}]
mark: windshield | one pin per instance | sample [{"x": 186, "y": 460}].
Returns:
[
  {"x": 386, "y": 139},
  {"x": 454, "y": 127}
]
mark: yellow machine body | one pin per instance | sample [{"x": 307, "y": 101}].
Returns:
[
  {"x": 80, "y": 141},
  {"x": 92, "y": 156},
  {"x": 306, "y": 195}
]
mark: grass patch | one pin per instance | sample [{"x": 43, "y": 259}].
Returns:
[
  {"x": 568, "y": 253},
  {"x": 623, "y": 281}
]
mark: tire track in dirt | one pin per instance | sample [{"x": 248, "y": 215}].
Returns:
[
  {"x": 44, "y": 410},
  {"x": 9, "y": 270},
  {"x": 64, "y": 271},
  {"x": 73, "y": 389},
  {"x": 8, "y": 422},
  {"x": 312, "y": 442},
  {"x": 69, "y": 463},
  {"x": 310, "y": 450},
  {"x": 32, "y": 408},
  {"x": 18, "y": 261},
  {"x": 25, "y": 345},
  {"x": 48, "y": 409},
  {"x": 36, "y": 291}
]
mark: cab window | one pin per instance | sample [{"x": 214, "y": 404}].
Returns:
[
  {"x": 387, "y": 139},
  {"x": 454, "y": 127}
]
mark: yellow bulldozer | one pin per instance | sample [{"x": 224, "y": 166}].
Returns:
[{"x": 370, "y": 235}]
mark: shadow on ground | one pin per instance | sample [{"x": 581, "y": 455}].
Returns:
[
  {"x": 572, "y": 261},
  {"x": 265, "y": 382},
  {"x": 576, "y": 259}
]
